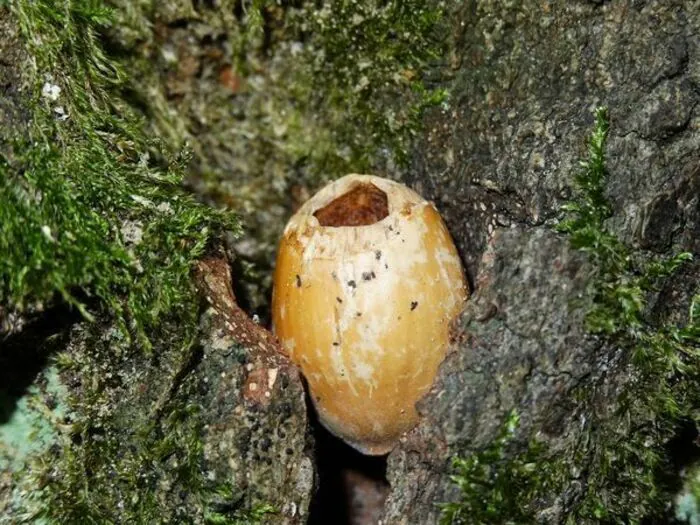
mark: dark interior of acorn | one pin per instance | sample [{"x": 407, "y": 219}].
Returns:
[{"x": 362, "y": 205}]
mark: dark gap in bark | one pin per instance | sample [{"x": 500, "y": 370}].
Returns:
[
  {"x": 24, "y": 354},
  {"x": 351, "y": 486}
]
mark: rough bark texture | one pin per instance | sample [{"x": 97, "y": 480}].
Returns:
[
  {"x": 256, "y": 436},
  {"x": 498, "y": 163},
  {"x": 522, "y": 346},
  {"x": 225, "y": 418},
  {"x": 526, "y": 80}
]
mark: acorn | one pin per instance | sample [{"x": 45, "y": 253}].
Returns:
[{"x": 366, "y": 284}]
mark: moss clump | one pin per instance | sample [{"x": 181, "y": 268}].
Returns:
[
  {"x": 624, "y": 452},
  {"x": 139, "y": 461},
  {"x": 326, "y": 87},
  {"x": 364, "y": 79},
  {"x": 220, "y": 512},
  {"x": 628, "y": 456},
  {"x": 93, "y": 212},
  {"x": 492, "y": 485}
]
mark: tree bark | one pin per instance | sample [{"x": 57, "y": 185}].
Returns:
[{"x": 499, "y": 163}]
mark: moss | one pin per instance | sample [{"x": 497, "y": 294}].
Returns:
[
  {"x": 104, "y": 474},
  {"x": 110, "y": 461},
  {"x": 221, "y": 512},
  {"x": 332, "y": 84},
  {"x": 93, "y": 211},
  {"x": 627, "y": 479},
  {"x": 623, "y": 453},
  {"x": 493, "y": 486}
]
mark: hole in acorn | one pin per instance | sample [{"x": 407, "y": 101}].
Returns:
[{"x": 362, "y": 205}]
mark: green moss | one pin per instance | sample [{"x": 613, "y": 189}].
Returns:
[
  {"x": 116, "y": 462},
  {"x": 628, "y": 450},
  {"x": 492, "y": 485},
  {"x": 93, "y": 211},
  {"x": 623, "y": 453},
  {"x": 363, "y": 62},
  {"x": 220, "y": 511},
  {"x": 331, "y": 85}
]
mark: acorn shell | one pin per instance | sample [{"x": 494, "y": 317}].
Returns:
[{"x": 366, "y": 284}]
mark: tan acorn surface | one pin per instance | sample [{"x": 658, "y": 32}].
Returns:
[{"x": 366, "y": 284}]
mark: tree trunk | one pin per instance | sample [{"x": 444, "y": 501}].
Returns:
[
  {"x": 500, "y": 162},
  {"x": 571, "y": 390}
]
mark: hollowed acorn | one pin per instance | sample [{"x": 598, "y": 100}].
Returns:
[{"x": 366, "y": 284}]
